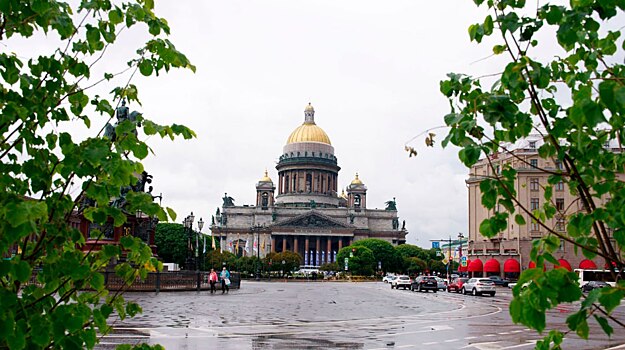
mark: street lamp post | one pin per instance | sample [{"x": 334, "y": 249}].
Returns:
[
  {"x": 257, "y": 228},
  {"x": 200, "y": 224}
]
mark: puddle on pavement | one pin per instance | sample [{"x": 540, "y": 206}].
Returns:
[{"x": 290, "y": 342}]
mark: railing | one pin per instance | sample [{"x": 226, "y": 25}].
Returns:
[
  {"x": 169, "y": 281},
  {"x": 162, "y": 281}
]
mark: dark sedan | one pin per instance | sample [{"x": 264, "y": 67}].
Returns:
[
  {"x": 424, "y": 283},
  {"x": 594, "y": 285},
  {"x": 499, "y": 281}
]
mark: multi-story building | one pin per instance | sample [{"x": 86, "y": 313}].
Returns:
[
  {"x": 306, "y": 215},
  {"x": 508, "y": 253}
]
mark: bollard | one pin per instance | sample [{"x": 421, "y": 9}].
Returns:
[{"x": 158, "y": 281}]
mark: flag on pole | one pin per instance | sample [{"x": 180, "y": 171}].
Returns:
[
  {"x": 204, "y": 243},
  {"x": 247, "y": 247},
  {"x": 237, "y": 247},
  {"x": 255, "y": 246},
  {"x": 213, "y": 243},
  {"x": 263, "y": 247}
]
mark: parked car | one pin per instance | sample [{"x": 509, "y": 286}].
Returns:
[
  {"x": 388, "y": 278},
  {"x": 424, "y": 283},
  {"x": 456, "y": 285},
  {"x": 402, "y": 281},
  {"x": 499, "y": 281},
  {"x": 441, "y": 284},
  {"x": 594, "y": 285},
  {"x": 479, "y": 286}
]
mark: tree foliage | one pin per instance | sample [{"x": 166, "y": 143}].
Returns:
[
  {"x": 171, "y": 242},
  {"x": 41, "y": 99},
  {"x": 575, "y": 100},
  {"x": 383, "y": 252},
  {"x": 361, "y": 260}
]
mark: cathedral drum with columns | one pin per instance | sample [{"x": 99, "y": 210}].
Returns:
[{"x": 307, "y": 215}]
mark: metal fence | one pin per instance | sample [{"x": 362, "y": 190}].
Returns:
[{"x": 168, "y": 281}]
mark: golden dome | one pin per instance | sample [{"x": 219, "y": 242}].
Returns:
[
  {"x": 266, "y": 178},
  {"x": 308, "y": 132},
  {"x": 309, "y": 108},
  {"x": 343, "y": 195},
  {"x": 356, "y": 181}
]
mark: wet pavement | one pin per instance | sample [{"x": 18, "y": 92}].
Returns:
[{"x": 336, "y": 315}]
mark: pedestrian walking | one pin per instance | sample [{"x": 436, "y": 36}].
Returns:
[
  {"x": 225, "y": 280},
  {"x": 212, "y": 279}
]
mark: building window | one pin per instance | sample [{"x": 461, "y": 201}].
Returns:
[
  {"x": 532, "y": 144},
  {"x": 560, "y": 186},
  {"x": 560, "y": 204},
  {"x": 534, "y": 163},
  {"x": 558, "y": 165},
  {"x": 265, "y": 201},
  {"x": 560, "y": 225},
  {"x": 534, "y": 185},
  {"x": 534, "y": 204},
  {"x": 534, "y": 226},
  {"x": 497, "y": 169}
]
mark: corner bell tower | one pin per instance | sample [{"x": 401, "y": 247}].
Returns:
[
  {"x": 357, "y": 194},
  {"x": 264, "y": 192}
]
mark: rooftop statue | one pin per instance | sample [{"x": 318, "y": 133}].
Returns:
[
  {"x": 122, "y": 114},
  {"x": 228, "y": 201},
  {"x": 391, "y": 205}
]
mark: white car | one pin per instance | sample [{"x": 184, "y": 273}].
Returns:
[
  {"x": 479, "y": 286},
  {"x": 388, "y": 278},
  {"x": 402, "y": 281}
]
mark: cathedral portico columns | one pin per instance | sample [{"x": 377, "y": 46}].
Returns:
[
  {"x": 284, "y": 238},
  {"x": 295, "y": 245},
  {"x": 340, "y": 243},
  {"x": 273, "y": 244},
  {"x": 318, "y": 250},
  {"x": 329, "y": 251}
]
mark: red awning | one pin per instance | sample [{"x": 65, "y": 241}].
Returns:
[
  {"x": 587, "y": 265},
  {"x": 464, "y": 268},
  {"x": 511, "y": 265},
  {"x": 564, "y": 264},
  {"x": 475, "y": 266},
  {"x": 532, "y": 265},
  {"x": 492, "y": 265}
]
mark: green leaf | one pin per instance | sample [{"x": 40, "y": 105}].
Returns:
[
  {"x": 519, "y": 219},
  {"x": 171, "y": 213},
  {"x": 488, "y": 25},
  {"x": 611, "y": 298},
  {"x": 22, "y": 271},
  {"x": 469, "y": 155},
  {"x": 498, "y": 49},
  {"x": 145, "y": 67},
  {"x": 603, "y": 322}
]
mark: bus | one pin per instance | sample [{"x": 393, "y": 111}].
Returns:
[{"x": 586, "y": 276}]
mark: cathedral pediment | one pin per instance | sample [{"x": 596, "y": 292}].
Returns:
[{"x": 312, "y": 220}]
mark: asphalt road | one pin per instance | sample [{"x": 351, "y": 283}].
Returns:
[{"x": 334, "y": 315}]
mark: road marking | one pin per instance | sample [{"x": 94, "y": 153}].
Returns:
[
  {"x": 451, "y": 340},
  {"x": 517, "y": 331},
  {"x": 490, "y": 335},
  {"x": 469, "y": 338},
  {"x": 622, "y": 346},
  {"x": 529, "y": 342},
  {"x": 428, "y": 329},
  {"x": 484, "y": 346},
  {"x": 431, "y": 343},
  {"x": 503, "y": 333},
  {"x": 404, "y": 346}
]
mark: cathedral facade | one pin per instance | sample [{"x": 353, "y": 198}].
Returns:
[{"x": 303, "y": 211}]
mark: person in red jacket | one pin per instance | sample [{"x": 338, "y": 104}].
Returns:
[{"x": 212, "y": 278}]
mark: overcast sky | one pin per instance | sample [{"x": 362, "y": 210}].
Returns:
[{"x": 371, "y": 70}]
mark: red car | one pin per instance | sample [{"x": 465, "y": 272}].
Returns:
[{"x": 456, "y": 285}]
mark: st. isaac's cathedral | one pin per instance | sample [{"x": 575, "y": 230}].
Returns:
[{"x": 306, "y": 215}]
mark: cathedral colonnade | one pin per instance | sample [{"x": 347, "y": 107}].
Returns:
[{"x": 315, "y": 250}]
